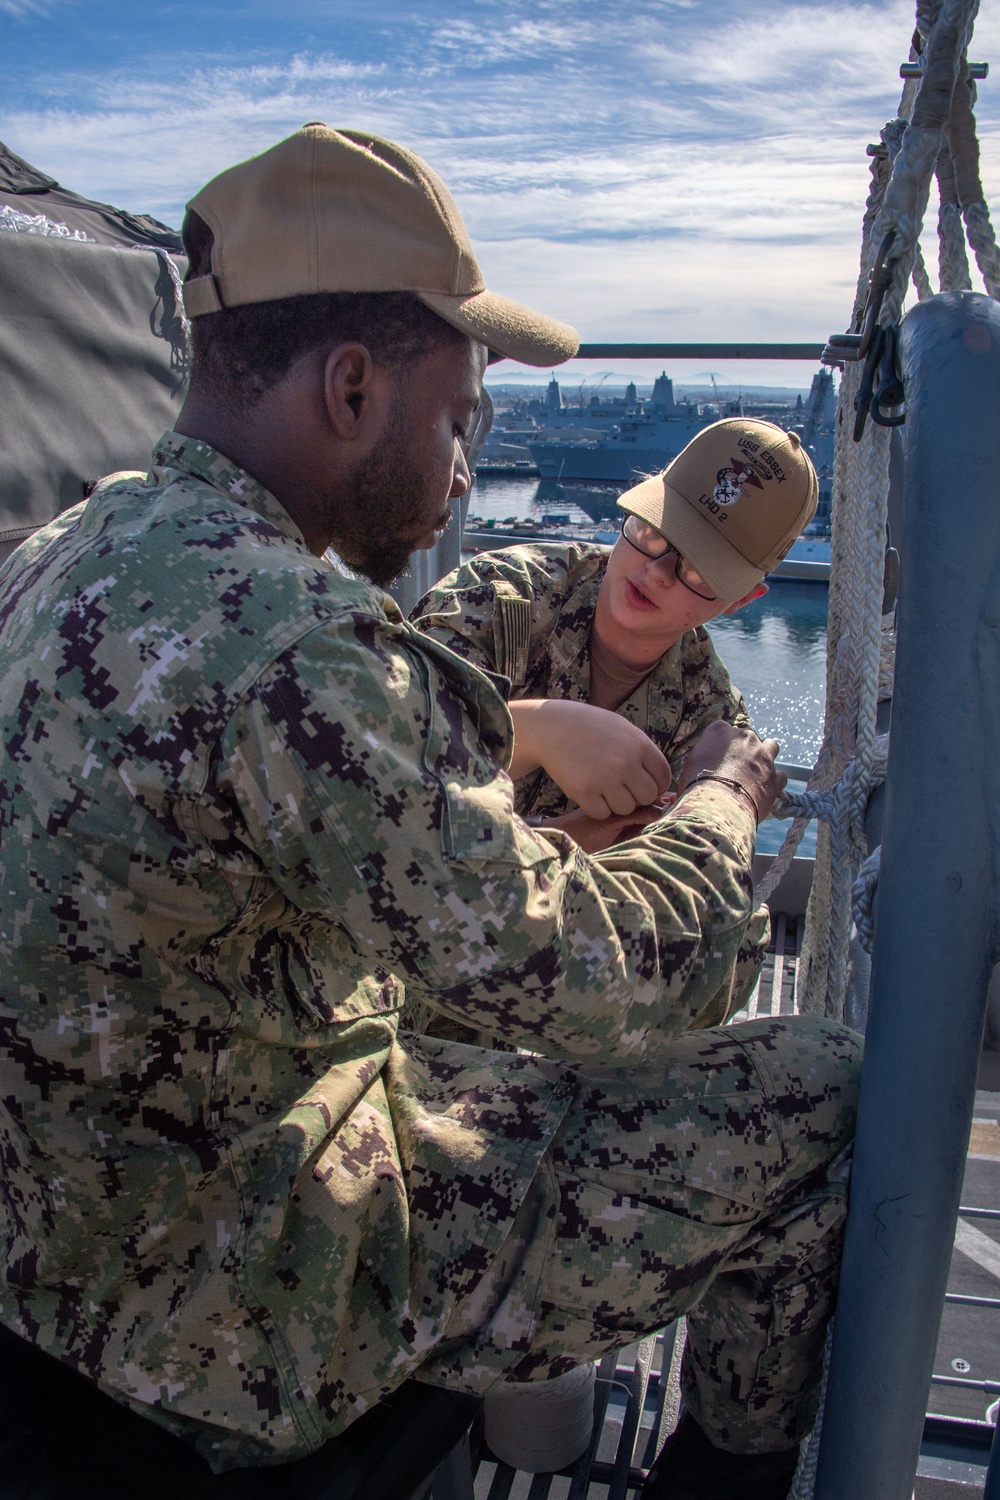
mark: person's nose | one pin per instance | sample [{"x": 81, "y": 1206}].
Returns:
[
  {"x": 461, "y": 477},
  {"x": 664, "y": 569}
]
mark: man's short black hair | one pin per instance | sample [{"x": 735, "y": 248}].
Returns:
[{"x": 242, "y": 352}]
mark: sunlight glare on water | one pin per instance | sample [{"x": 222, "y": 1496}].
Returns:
[{"x": 775, "y": 650}]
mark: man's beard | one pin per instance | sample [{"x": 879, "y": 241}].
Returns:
[{"x": 383, "y": 502}]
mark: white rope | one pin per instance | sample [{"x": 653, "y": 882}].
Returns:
[
  {"x": 173, "y": 271},
  {"x": 804, "y": 1481},
  {"x": 860, "y": 648},
  {"x": 984, "y": 246},
  {"x": 863, "y": 899},
  {"x": 15, "y": 222},
  {"x": 921, "y": 280},
  {"x": 853, "y": 660},
  {"x": 953, "y": 262}
]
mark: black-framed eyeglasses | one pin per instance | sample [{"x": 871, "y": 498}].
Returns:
[{"x": 652, "y": 543}]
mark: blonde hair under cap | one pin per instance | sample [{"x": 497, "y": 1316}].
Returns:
[
  {"x": 346, "y": 211},
  {"x": 732, "y": 502}
]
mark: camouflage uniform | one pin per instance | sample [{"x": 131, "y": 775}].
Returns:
[
  {"x": 243, "y": 804},
  {"x": 526, "y": 613}
]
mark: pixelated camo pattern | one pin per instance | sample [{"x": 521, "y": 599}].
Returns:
[
  {"x": 713, "y": 1183},
  {"x": 552, "y": 587},
  {"x": 244, "y": 806},
  {"x": 688, "y": 689}
]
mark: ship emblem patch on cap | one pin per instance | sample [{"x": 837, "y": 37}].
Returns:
[{"x": 729, "y": 482}]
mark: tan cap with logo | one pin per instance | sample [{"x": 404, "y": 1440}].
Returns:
[
  {"x": 344, "y": 211},
  {"x": 732, "y": 502}
]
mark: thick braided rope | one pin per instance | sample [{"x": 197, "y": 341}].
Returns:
[
  {"x": 953, "y": 262},
  {"x": 804, "y": 1482},
  {"x": 859, "y": 642},
  {"x": 863, "y": 476},
  {"x": 835, "y": 750},
  {"x": 863, "y": 899},
  {"x": 906, "y": 196},
  {"x": 946, "y": 49},
  {"x": 921, "y": 280},
  {"x": 826, "y": 937},
  {"x": 984, "y": 246},
  {"x": 963, "y": 146},
  {"x": 853, "y": 650},
  {"x": 867, "y": 476},
  {"x": 816, "y": 804}
]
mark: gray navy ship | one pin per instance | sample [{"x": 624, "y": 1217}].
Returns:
[
  {"x": 617, "y": 442},
  {"x": 645, "y": 436}
]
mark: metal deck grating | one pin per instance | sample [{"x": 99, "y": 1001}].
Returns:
[
  {"x": 635, "y": 1406},
  {"x": 775, "y": 992}
]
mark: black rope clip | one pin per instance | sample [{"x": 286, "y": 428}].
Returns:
[
  {"x": 881, "y": 391},
  {"x": 889, "y": 395},
  {"x": 881, "y": 388},
  {"x": 879, "y": 283},
  {"x": 850, "y": 348}
]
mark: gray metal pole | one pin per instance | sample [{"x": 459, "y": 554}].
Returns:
[
  {"x": 991, "y": 1490},
  {"x": 935, "y": 937}
]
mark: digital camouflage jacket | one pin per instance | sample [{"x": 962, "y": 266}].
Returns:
[
  {"x": 243, "y": 804},
  {"x": 526, "y": 612}
]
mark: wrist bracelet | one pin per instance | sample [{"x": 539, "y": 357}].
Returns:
[
  {"x": 737, "y": 786},
  {"x": 536, "y": 821}
]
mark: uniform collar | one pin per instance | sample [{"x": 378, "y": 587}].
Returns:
[{"x": 193, "y": 456}]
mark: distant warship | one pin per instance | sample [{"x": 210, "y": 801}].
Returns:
[{"x": 616, "y": 442}]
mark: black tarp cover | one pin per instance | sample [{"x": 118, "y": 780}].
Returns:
[
  {"x": 31, "y": 191},
  {"x": 92, "y": 357}
]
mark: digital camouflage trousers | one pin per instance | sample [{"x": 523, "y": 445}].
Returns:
[{"x": 711, "y": 1183}]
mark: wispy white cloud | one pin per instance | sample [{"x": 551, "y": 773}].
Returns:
[{"x": 614, "y": 164}]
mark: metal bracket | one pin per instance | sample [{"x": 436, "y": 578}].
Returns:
[
  {"x": 881, "y": 389},
  {"x": 916, "y": 69},
  {"x": 888, "y": 395},
  {"x": 841, "y": 349}
]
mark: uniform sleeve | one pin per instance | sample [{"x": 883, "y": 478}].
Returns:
[
  {"x": 499, "y": 609},
  {"x": 737, "y": 988},
  {"x": 372, "y": 803},
  {"x": 461, "y": 610},
  {"x": 709, "y": 695}
]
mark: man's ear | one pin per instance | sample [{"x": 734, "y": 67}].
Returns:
[
  {"x": 356, "y": 393},
  {"x": 755, "y": 593}
]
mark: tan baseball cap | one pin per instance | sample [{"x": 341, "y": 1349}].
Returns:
[
  {"x": 732, "y": 502},
  {"x": 345, "y": 211}
]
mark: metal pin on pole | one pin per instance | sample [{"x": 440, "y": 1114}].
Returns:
[{"x": 978, "y": 70}]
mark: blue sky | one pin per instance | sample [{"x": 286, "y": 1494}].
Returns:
[{"x": 645, "y": 169}]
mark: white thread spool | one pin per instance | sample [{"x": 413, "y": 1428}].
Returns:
[{"x": 542, "y": 1425}]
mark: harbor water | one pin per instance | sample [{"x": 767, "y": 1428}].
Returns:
[{"x": 775, "y": 648}]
